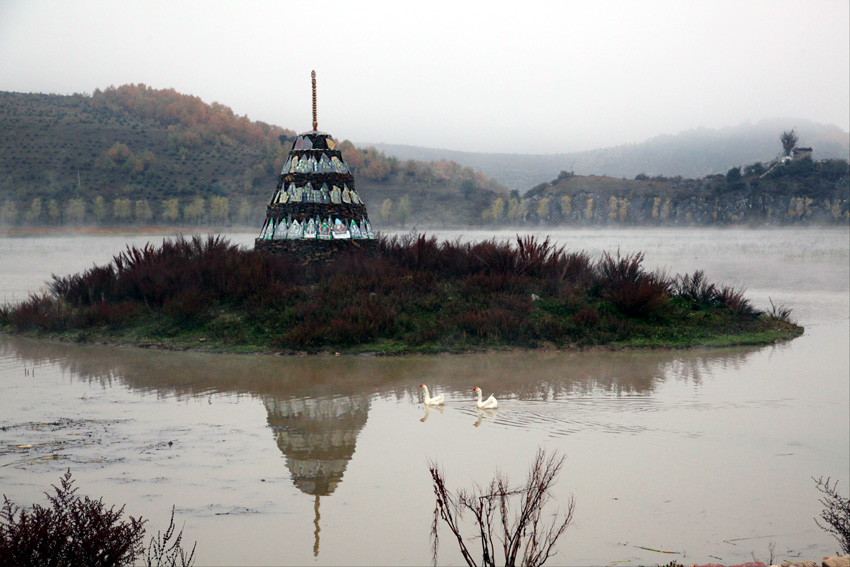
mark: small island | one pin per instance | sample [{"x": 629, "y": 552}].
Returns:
[
  {"x": 407, "y": 294},
  {"x": 320, "y": 280}
]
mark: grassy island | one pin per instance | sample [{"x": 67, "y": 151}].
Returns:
[{"x": 414, "y": 294}]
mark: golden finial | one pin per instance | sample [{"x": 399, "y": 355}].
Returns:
[{"x": 315, "y": 123}]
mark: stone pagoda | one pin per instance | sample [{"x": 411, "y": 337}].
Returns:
[{"x": 315, "y": 210}]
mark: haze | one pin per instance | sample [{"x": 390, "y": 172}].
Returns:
[{"x": 527, "y": 77}]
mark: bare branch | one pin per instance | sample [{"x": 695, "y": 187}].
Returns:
[{"x": 525, "y": 534}]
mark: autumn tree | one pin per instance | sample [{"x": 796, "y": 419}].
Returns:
[
  {"x": 53, "y": 212},
  {"x": 122, "y": 210},
  {"x": 566, "y": 206},
  {"x": 33, "y": 214},
  {"x": 119, "y": 152},
  {"x": 495, "y": 212},
  {"x": 243, "y": 213},
  {"x": 143, "y": 212},
  {"x": 141, "y": 163},
  {"x": 75, "y": 211},
  {"x": 98, "y": 209},
  {"x": 219, "y": 209},
  {"x": 517, "y": 210},
  {"x": 403, "y": 210},
  {"x": 386, "y": 209},
  {"x": 194, "y": 211},
  {"x": 543, "y": 209},
  {"x": 170, "y": 210}
]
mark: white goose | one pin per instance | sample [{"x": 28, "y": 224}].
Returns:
[
  {"x": 429, "y": 401},
  {"x": 489, "y": 403}
]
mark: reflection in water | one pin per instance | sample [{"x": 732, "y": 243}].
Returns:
[
  {"x": 484, "y": 413},
  {"x": 317, "y": 437},
  {"x": 316, "y": 417},
  {"x": 428, "y": 409}
]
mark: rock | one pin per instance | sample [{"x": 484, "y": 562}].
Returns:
[{"x": 836, "y": 561}]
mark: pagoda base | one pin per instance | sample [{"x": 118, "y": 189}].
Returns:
[{"x": 316, "y": 251}]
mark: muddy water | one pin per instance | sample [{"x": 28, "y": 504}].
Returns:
[{"x": 323, "y": 460}]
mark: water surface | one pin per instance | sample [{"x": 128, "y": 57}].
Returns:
[{"x": 324, "y": 460}]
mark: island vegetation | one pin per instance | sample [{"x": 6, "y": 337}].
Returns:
[{"x": 415, "y": 294}]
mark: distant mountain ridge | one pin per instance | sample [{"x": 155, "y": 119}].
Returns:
[{"x": 693, "y": 153}]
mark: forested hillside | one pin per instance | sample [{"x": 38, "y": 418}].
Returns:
[
  {"x": 781, "y": 192},
  {"x": 137, "y": 155},
  {"x": 134, "y": 155}
]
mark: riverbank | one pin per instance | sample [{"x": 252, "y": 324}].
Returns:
[
  {"x": 832, "y": 561},
  {"x": 416, "y": 295}
]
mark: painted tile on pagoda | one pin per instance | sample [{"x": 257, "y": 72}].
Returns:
[
  {"x": 310, "y": 230},
  {"x": 355, "y": 230},
  {"x": 286, "y": 166},
  {"x": 293, "y": 166},
  {"x": 325, "y": 164},
  {"x": 295, "y": 230},
  {"x": 336, "y": 195},
  {"x": 303, "y": 165},
  {"x": 340, "y": 231},
  {"x": 325, "y": 230},
  {"x": 280, "y": 230},
  {"x": 338, "y": 166},
  {"x": 346, "y": 195}
]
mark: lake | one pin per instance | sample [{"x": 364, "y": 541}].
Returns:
[{"x": 706, "y": 454}]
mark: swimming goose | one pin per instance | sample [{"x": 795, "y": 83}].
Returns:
[
  {"x": 429, "y": 401},
  {"x": 489, "y": 403}
]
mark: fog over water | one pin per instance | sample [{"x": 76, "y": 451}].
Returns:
[{"x": 708, "y": 453}]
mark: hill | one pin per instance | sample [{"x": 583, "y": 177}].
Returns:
[
  {"x": 134, "y": 155},
  {"x": 137, "y": 155},
  {"x": 694, "y": 153},
  {"x": 783, "y": 191}
]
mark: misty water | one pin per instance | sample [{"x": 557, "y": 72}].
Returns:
[{"x": 323, "y": 460}]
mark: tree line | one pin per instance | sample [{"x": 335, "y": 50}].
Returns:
[{"x": 197, "y": 210}]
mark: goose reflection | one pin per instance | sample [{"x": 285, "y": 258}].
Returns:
[
  {"x": 428, "y": 409},
  {"x": 484, "y": 414}
]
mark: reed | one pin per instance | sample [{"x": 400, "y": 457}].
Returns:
[{"x": 633, "y": 291}]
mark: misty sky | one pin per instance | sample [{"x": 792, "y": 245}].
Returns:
[{"x": 523, "y": 77}]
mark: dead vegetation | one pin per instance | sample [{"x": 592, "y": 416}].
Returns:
[{"x": 526, "y": 537}]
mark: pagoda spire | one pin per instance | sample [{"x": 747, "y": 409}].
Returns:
[{"x": 315, "y": 122}]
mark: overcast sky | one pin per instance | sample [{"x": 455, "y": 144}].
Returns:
[{"x": 524, "y": 77}]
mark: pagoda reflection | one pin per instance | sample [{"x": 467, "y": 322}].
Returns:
[{"x": 317, "y": 437}]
